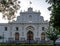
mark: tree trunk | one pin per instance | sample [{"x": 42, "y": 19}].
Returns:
[{"x": 54, "y": 43}]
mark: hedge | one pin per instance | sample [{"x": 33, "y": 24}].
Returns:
[{"x": 26, "y": 45}]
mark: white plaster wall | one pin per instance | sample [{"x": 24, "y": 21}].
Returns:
[{"x": 22, "y": 23}]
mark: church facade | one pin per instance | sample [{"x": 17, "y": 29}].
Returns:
[{"x": 30, "y": 25}]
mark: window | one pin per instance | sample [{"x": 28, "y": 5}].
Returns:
[
  {"x": 42, "y": 36},
  {"x": 43, "y": 28},
  {"x": 30, "y": 16},
  {"x": 16, "y": 28},
  {"x": 5, "y": 28}
]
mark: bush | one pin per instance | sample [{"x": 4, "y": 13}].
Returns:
[
  {"x": 36, "y": 45},
  {"x": 26, "y": 44}
]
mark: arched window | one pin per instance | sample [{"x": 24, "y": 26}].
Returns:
[
  {"x": 16, "y": 36},
  {"x": 30, "y": 17},
  {"x": 17, "y": 28},
  {"x": 5, "y": 28},
  {"x": 43, "y": 28},
  {"x": 42, "y": 36}
]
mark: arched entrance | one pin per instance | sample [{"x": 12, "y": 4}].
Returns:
[
  {"x": 16, "y": 36},
  {"x": 42, "y": 36},
  {"x": 29, "y": 35}
]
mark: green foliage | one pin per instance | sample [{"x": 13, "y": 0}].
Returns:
[
  {"x": 52, "y": 1},
  {"x": 55, "y": 13},
  {"x": 8, "y": 8},
  {"x": 52, "y": 35},
  {"x": 26, "y": 45},
  {"x": 1, "y": 37}
]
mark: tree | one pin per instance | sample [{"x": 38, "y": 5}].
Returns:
[
  {"x": 54, "y": 20},
  {"x": 52, "y": 34},
  {"x": 8, "y": 8},
  {"x": 55, "y": 13},
  {"x": 1, "y": 37}
]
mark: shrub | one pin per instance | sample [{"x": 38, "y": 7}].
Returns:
[{"x": 26, "y": 44}]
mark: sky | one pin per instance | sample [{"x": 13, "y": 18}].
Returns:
[{"x": 37, "y": 5}]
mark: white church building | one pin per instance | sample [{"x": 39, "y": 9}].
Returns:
[{"x": 30, "y": 25}]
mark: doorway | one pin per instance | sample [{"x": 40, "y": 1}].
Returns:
[
  {"x": 16, "y": 36},
  {"x": 29, "y": 35}
]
